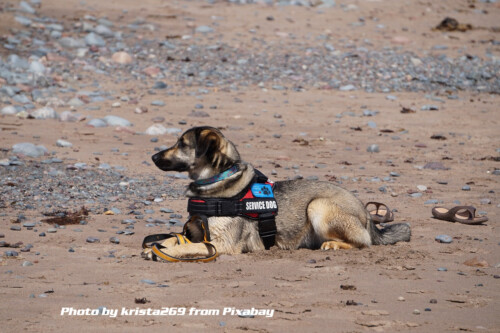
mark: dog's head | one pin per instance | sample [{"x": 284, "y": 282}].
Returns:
[{"x": 201, "y": 151}]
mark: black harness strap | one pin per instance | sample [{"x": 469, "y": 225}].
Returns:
[{"x": 262, "y": 209}]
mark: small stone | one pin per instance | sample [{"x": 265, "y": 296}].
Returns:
[
  {"x": 485, "y": 201},
  {"x": 160, "y": 85},
  {"x": 45, "y": 113},
  {"x": 373, "y": 148},
  {"x": 204, "y": 29},
  {"x": 52, "y": 230},
  {"x": 401, "y": 299},
  {"x": 435, "y": 166},
  {"x": 444, "y": 239},
  {"x": 15, "y": 228},
  {"x": 114, "y": 240},
  {"x": 466, "y": 188},
  {"x": 348, "y": 87},
  {"x": 146, "y": 281},
  {"x": 416, "y": 195},
  {"x": 117, "y": 121},
  {"x": 63, "y": 143},
  {"x": 421, "y": 188},
  {"x": 442, "y": 269},
  {"x": 27, "y": 263},
  {"x": 433, "y": 301},
  {"x": 96, "y": 122},
  {"x": 93, "y": 240},
  {"x": 156, "y": 129},
  {"x": 9, "y": 110},
  {"x": 431, "y": 202},
  {"x": 93, "y": 39},
  {"x": 429, "y": 108},
  {"x": 158, "y": 103},
  {"x": 42, "y": 234},
  {"x": 416, "y": 312}
]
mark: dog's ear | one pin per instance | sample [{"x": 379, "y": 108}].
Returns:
[
  {"x": 213, "y": 146},
  {"x": 207, "y": 144}
]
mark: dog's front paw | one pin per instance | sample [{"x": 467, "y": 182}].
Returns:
[{"x": 335, "y": 245}]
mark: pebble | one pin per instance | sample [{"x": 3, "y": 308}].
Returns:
[
  {"x": 93, "y": 39},
  {"x": 416, "y": 312},
  {"x": 146, "y": 281},
  {"x": 93, "y": 240},
  {"x": 112, "y": 120},
  {"x": 431, "y": 202},
  {"x": 63, "y": 143},
  {"x": 45, "y": 113},
  {"x": 485, "y": 201},
  {"x": 442, "y": 269},
  {"x": 204, "y": 29},
  {"x": 9, "y": 110},
  {"x": 416, "y": 195},
  {"x": 96, "y": 122},
  {"x": 429, "y": 108},
  {"x": 466, "y": 188},
  {"x": 29, "y": 149},
  {"x": 348, "y": 87},
  {"x": 114, "y": 240},
  {"x": 373, "y": 148},
  {"x": 156, "y": 129},
  {"x": 15, "y": 228},
  {"x": 422, "y": 188},
  {"x": 27, "y": 263},
  {"x": 52, "y": 230},
  {"x": 444, "y": 239},
  {"x": 122, "y": 58},
  {"x": 158, "y": 103}
]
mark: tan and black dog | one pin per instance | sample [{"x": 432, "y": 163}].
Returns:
[{"x": 312, "y": 214}]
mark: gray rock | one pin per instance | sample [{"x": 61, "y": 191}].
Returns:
[
  {"x": 27, "y": 263},
  {"x": 373, "y": 148},
  {"x": 348, "y": 87},
  {"x": 158, "y": 103},
  {"x": 63, "y": 143},
  {"x": 429, "y": 108},
  {"x": 93, "y": 240},
  {"x": 466, "y": 188},
  {"x": 444, "y": 239},
  {"x": 9, "y": 110},
  {"x": 96, "y": 122},
  {"x": 146, "y": 281},
  {"x": 93, "y": 39},
  {"x": 23, "y": 20},
  {"x": 29, "y": 149},
  {"x": 25, "y": 7},
  {"x": 72, "y": 43},
  {"x": 117, "y": 121},
  {"x": 103, "y": 31},
  {"x": 114, "y": 240},
  {"x": 45, "y": 113},
  {"x": 431, "y": 202},
  {"x": 37, "y": 67},
  {"x": 204, "y": 29}
]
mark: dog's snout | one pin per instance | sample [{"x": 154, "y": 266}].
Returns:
[{"x": 156, "y": 158}]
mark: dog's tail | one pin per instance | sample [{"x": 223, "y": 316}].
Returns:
[{"x": 391, "y": 234}]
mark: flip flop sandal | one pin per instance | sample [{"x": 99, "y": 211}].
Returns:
[
  {"x": 461, "y": 214},
  {"x": 381, "y": 213}
]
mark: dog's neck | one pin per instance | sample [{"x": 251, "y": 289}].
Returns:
[
  {"x": 218, "y": 177},
  {"x": 224, "y": 185}
]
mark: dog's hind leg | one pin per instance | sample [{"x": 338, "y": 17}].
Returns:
[{"x": 336, "y": 227}]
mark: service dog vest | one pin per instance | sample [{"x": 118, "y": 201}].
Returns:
[{"x": 256, "y": 201}]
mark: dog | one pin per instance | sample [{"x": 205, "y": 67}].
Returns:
[{"x": 312, "y": 214}]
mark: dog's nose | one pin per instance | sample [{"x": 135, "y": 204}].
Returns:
[{"x": 156, "y": 158}]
